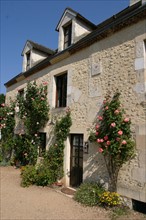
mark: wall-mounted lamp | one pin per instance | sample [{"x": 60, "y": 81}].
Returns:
[{"x": 86, "y": 147}]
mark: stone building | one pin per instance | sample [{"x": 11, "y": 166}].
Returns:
[{"x": 92, "y": 60}]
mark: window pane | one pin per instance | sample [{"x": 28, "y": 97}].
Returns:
[
  {"x": 61, "y": 90},
  {"x": 67, "y": 36}
]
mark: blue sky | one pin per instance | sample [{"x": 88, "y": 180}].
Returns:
[{"x": 36, "y": 20}]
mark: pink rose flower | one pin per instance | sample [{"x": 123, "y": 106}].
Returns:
[
  {"x": 126, "y": 119},
  {"x": 113, "y": 124},
  {"x": 106, "y": 138},
  {"x": 120, "y": 132},
  {"x": 32, "y": 99},
  {"x": 3, "y": 104},
  {"x": 45, "y": 83},
  {"x": 106, "y": 108},
  {"x": 97, "y": 133},
  {"x": 100, "y": 118},
  {"x": 118, "y": 139},
  {"x": 124, "y": 142},
  {"x": 100, "y": 150},
  {"x": 116, "y": 111},
  {"x": 42, "y": 98},
  {"x": 104, "y": 101},
  {"x": 97, "y": 127},
  {"x": 100, "y": 140},
  {"x": 108, "y": 143}
]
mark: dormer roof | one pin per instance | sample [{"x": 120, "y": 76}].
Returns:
[
  {"x": 77, "y": 16},
  {"x": 39, "y": 47}
]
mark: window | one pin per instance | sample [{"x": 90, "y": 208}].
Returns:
[
  {"x": 27, "y": 60},
  {"x": 61, "y": 90},
  {"x": 42, "y": 147},
  {"x": 67, "y": 36}
]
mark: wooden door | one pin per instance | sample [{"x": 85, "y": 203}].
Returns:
[{"x": 76, "y": 165}]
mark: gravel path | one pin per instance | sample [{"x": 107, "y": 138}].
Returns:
[{"x": 39, "y": 203}]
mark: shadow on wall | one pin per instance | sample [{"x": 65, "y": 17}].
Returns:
[
  {"x": 51, "y": 138},
  {"x": 94, "y": 166}
]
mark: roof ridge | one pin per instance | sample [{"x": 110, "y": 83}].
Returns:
[{"x": 38, "y": 44}]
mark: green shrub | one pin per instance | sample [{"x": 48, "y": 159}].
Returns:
[
  {"x": 119, "y": 211},
  {"x": 6, "y": 148},
  {"x": 29, "y": 175},
  {"x": 89, "y": 193},
  {"x": 44, "y": 176}
]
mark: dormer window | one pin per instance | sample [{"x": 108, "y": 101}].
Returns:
[
  {"x": 28, "y": 60},
  {"x": 72, "y": 27},
  {"x": 67, "y": 35}
]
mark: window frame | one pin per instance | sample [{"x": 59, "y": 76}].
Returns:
[
  {"x": 28, "y": 55},
  {"x": 67, "y": 35},
  {"x": 61, "y": 90}
]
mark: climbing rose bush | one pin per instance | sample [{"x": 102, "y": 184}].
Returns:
[
  {"x": 33, "y": 110},
  {"x": 114, "y": 137},
  {"x": 33, "y": 107},
  {"x": 7, "y": 124}
]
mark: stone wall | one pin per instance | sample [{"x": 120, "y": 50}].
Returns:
[{"x": 93, "y": 72}]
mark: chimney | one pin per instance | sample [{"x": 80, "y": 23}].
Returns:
[{"x": 132, "y": 2}]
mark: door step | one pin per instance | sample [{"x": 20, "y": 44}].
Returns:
[{"x": 68, "y": 191}]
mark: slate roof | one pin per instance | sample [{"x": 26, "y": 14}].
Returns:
[
  {"x": 41, "y": 48},
  {"x": 79, "y": 17}
]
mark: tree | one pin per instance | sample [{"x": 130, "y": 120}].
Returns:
[{"x": 113, "y": 136}]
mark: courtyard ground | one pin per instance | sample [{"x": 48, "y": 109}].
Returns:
[{"x": 42, "y": 203}]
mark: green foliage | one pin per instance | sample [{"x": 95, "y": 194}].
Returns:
[
  {"x": 33, "y": 111},
  {"x": 7, "y": 123},
  {"x": 33, "y": 108},
  {"x": 6, "y": 149},
  {"x": 29, "y": 175},
  {"x": 2, "y": 99},
  {"x": 7, "y": 120},
  {"x": 54, "y": 157},
  {"x": 51, "y": 168},
  {"x": 114, "y": 138},
  {"x": 62, "y": 127},
  {"x": 110, "y": 199},
  {"x": 45, "y": 176},
  {"x": 89, "y": 193},
  {"x": 114, "y": 134},
  {"x": 26, "y": 149},
  {"x": 119, "y": 211}
]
